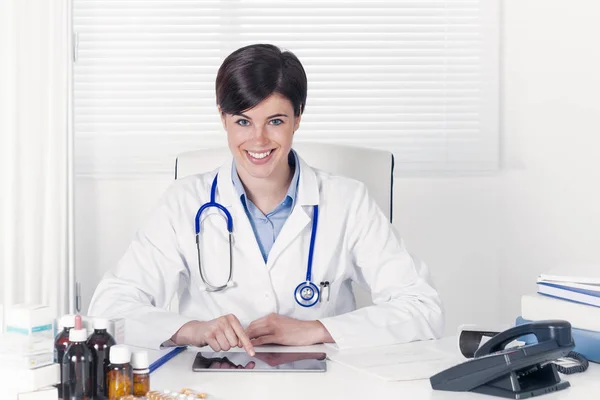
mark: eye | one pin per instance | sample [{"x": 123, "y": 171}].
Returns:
[
  {"x": 243, "y": 122},
  {"x": 276, "y": 121}
]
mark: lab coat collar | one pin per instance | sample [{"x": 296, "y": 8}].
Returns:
[
  {"x": 308, "y": 188},
  {"x": 225, "y": 189}
]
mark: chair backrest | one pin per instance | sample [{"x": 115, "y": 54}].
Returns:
[{"x": 375, "y": 168}]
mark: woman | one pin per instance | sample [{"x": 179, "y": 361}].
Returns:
[{"x": 275, "y": 200}]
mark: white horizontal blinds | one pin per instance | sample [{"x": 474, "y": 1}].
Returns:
[
  {"x": 144, "y": 82},
  {"x": 407, "y": 76},
  {"x": 418, "y": 78}
]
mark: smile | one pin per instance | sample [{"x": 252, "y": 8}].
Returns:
[{"x": 259, "y": 155}]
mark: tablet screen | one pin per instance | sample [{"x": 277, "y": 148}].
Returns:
[{"x": 262, "y": 361}]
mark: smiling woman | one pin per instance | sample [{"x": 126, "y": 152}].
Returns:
[
  {"x": 260, "y": 140},
  {"x": 286, "y": 217},
  {"x": 261, "y": 94}
]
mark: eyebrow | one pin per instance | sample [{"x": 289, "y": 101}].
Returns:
[
  {"x": 269, "y": 117},
  {"x": 242, "y": 115}
]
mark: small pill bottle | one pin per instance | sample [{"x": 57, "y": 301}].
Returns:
[
  {"x": 141, "y": 373},
  {"x": 119, "y": 376}
]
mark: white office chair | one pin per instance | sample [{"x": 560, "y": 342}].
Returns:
[{"x": 375, "y": 168}]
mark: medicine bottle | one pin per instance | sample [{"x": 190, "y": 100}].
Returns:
[
  {"x": 100, "y": 343},
  {"x": 119, "y": 377},
  {"x": 61, "y": 342},
  {"x": 141, "y": 373},
  {"x": 78, "y": 370}
]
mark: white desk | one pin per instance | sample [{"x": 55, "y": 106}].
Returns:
[{"x": 339, "y": 382}]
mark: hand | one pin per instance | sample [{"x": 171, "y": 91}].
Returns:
[
  {"x": 221, "y": 333},
  {"x": 278, "y": 329}
]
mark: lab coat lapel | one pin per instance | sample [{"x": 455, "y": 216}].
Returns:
[
  {"x": 307, "y": 196},
  {"x": 225, "y": 190},
  {"x": 243, "y": 234}
]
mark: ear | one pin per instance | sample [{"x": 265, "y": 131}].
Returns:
[
  {"x": 222, "y": 115},
  {"x": 297, "y": 122}
]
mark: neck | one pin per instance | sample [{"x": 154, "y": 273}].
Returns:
[{"x": 267, "y": 193}]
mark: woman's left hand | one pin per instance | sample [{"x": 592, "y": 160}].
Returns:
[{"x": 278, "y": 329}]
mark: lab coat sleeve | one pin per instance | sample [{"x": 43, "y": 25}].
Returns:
[
  {"x": 406, "y": 307},
  {"x": 146, "y": 279}
]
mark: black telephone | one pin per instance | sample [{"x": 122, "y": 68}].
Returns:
[{"x": 515, "y": 373}]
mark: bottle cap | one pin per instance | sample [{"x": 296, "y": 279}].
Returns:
[
  {"x": 139, "y": 360},
  {"x": 100, "y": 323},
  {"x": 120, "y": 354},
  {"x": 67, "y": 321},
  {"x": 77, "y": 335}
]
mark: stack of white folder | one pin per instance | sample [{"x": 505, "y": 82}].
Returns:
[
  {"x": 27, "y": 369},
  {"x": 27, "y": 363},
  {"x": 571, "y": 294}
]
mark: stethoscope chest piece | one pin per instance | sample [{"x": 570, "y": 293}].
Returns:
[{"x": 307, "y": 294}]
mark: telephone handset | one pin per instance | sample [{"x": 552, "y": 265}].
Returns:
[{"x": 516, "y": 373}]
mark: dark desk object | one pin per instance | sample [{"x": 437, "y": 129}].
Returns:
[{"x": 515, "y": 373}]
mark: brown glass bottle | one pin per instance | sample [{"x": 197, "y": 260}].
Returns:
[
  {"x": 61, "y": 342},
  {"x": 100, "y": 343},
  {"x": 141, "y": 373},
  {"x": 78, "y": 372},
  {"x": 119, "y": 377}
]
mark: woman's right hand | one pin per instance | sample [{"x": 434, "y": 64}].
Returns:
[{"x": 221, "y": 334}]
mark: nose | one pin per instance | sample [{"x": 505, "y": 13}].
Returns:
[{"x": 260, "y": 134}]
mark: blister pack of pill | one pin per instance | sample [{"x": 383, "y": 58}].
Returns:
[{"x": 183, "y": 394}]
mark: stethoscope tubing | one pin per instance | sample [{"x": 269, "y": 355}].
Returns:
[
  {"x": 308, "y": 284},
  {"x": 311, "y": 248}
]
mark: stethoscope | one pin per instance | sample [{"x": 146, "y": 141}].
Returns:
[{"x": 306, "y": 294}]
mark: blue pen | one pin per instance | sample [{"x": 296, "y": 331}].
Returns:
[{"x": 158, "y": 363}]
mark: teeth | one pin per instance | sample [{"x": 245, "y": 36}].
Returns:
[{"x": 259, "y": 155}]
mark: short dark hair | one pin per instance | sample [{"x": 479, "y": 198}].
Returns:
[{"x": 251, "y": 74}]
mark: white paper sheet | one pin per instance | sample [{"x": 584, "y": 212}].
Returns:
[{"x": 411, "y": 361}]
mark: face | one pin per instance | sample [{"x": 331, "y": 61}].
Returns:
[{"x": 260, "y": 139}]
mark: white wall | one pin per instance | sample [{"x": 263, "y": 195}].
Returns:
[
  {"x": 543, "y": 208},
  {"x": 485, "y": 238},
  {"x": 550, "y": 130}
]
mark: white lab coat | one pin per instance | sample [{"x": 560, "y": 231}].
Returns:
[{"x": 354, "y": 242}]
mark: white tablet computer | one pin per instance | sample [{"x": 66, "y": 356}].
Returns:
[{"x": 261, "y": 362}]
